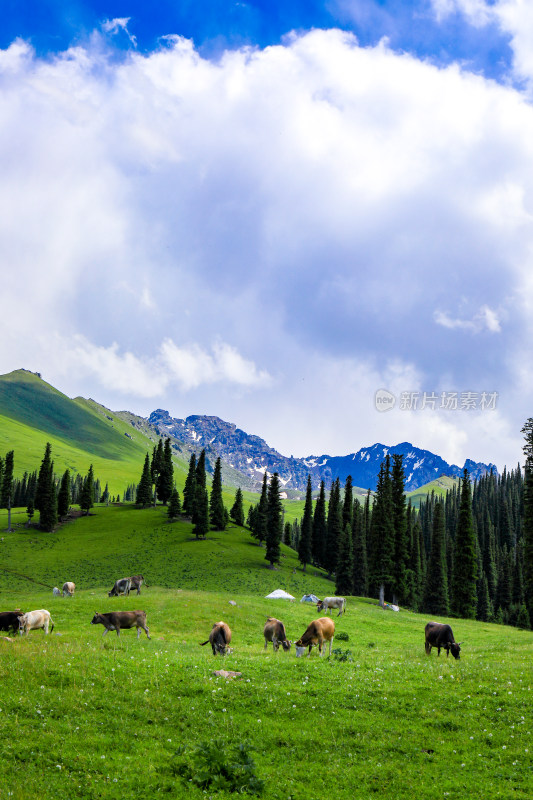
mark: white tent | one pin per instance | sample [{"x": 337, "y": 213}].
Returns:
[
  {"x": 279, "y": 594},
  {"x": 309, "y": 598}
]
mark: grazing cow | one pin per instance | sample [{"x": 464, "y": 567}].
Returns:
[
  {"x": 274, "y": 631},
  {"x": 122, "y": 586},
  {"x": 9, "y": 620},
  {"x": 56, "y": 592},
  {"x": 122, "y": 620},
  {"x": 68, "y": 589},
  {"x": 136, "y": 581},
  {"x": 332, "y": 602},
  {"x": 35, "y": 620},
  {"x": 319, "y": 631},
  {"x": 219, "y": 638},
  {"x": 439, "y": 635}
]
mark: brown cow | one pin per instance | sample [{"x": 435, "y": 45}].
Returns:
[
  {"x": 219, "y": 638},
  {"x": 274, "y": 631},
  {"x": 319, "y": 631},
  {"x": 439, "y": 635},
  {"x": 122, "y": 620}
]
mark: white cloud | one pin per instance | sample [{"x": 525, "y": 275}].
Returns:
[
  {"x": 114, "y": 26},
  {"x": 191, "y": 229}
]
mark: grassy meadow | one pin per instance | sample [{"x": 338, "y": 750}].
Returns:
[{"x": 110, "y": 717}]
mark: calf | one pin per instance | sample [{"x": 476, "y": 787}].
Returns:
[
  {"x": 35, "y": 620},
  {"x": 122, "y": 620},
  {"x": 332, "y": 602},
  {"x": 68, "y": 589},
  {"x": 219, "y": 638},
  {"x": 319, "y": 631},
  {"x": 439, "y": 635},
  {"x": 9, "y": 620},
  {"x": 122, "y": 586},
  {"x": 136, "y": 581},
  {"x": 274, "y": 631},
  {"x": 56, "y": 592}
]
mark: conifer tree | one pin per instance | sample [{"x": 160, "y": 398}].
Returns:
[
  {"x": 527, "y": 430},
  {"x": 237, "y": 510},
  {"x": 360, "y": 564},
  {"x": 201, "y": 524},
  {"x": 30, "y": 511},
  {"x": 414, "y": 582},
  {"x": 484, "y": 605},
  {"x": 165, "y": 481},
  {"x": 157, "y": 466},
  {"x": 274, "y": 526},
  {"x": 320, "y": 530},
  {"x": 436, "y": 588},
  {"x": 6, "y": 496},
  {"x": 306, "y": 536},
  {"x": 189, "y": 490},
  {"x": 144, "y": 489},
  {"x": 87, "y": 492},
  {"x": 334, "y": 524},
  {"x": 63, "y": 497},
  {"x": 48, "y": 513},
  {"x": 259, "y": 529},
  {"x": 174, "y": 505},
  {"x": 344, "y": 569},
  {"x": 401, "y": 547},
  {"x": 44, "y": 478},
  {"x": 1, "y": 474},
  {"x": 200, "y": 486},
  {"x": 287, "y": 534},
  {"x": 463, "y": 595},
  {"x": 347, "y": 506},
  {"x": 382, "y": 535},
  {"x": 218, "y": 518}
]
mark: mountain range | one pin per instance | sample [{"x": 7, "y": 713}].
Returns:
[{"x": 251, "y": 456}]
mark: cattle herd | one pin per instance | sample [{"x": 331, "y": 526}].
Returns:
[{"x": 318, "y": 632}]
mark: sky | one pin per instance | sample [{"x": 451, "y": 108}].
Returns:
[{"x": 311, "y": 219}]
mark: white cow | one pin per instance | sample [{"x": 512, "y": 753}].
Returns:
[
  {"x": 35, "y": 620},
  {"x": 56, "y": 592},
  {"x": 332, "y": 602},
  {"x": 68, "y": 589}
]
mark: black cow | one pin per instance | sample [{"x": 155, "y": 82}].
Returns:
[
  {"x": 439, "y": 635},
  {"x": 122, "y": 586},
  {"x": 9, "y": 620}
]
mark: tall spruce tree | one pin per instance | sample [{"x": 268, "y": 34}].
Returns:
[
  {"x": 527, "y": 430},
  {"x": 274, "y": 522},
  {"x": 436, "y": 588},
  {"x": 347, "y": 506},
  {"x": 144, "y": 489},
  {"x": 174, "y": 505},
  {"x": 259, "y": 528},
  {"x": 189, "y": 490},
  {"x": 360, "y": 564},
  {"x": 63, "y": 496},
  {"x": 382, "y": 535},
  {"x": 305, "y": 544},
  {"x": 401, "y": 546},
  {"x": 216, "y": 506},
  {"x": 237, "y": 510},
  {"x": 464, "y": 595},
  {"x": 87, "y": 492},
  {"x": 165, "y": 481},
  {"x": 157, "y": 466},
  {"x": 320, "y": 530},
  {"x": 201, "y": 510},
  {"x": 43, "y": 481},
  {"x": 7, "y": 486},
  {"x": 344, "y": 569},
  {"x": 334, "y": 524}
]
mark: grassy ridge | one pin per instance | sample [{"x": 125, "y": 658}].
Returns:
[{"x": 111, "y": 717}]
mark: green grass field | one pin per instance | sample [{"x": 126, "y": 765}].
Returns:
[{"x": 96, "y": 717}]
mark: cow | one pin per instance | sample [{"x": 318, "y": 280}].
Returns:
[
  {"x": 332, "y": 602},
  {"x": 219, "y": 638},
  {"x": 439, "y": 635},
  {"x": 9, "y": 620},
  {"x": 122, "y": 586},
  {"x": 121, "y": 620},
  {"x": 136, "y": 581},
  {"x": 35, "y": 620},
  {"x": 274, "y": 631},
  {"x": 56, "y": 592},
  {"x": 319, "y": 631},
  {"x": 68, "y": 589}
]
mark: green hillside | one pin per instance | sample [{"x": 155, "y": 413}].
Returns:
[
  {"x": 80, "y": 431},
  {"x": 439, "y": 486}
]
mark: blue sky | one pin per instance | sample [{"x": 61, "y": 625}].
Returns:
[{"x": 270, "y": 211}]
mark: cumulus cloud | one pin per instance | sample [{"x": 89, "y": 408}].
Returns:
[{"x": 193, "y": 228}]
